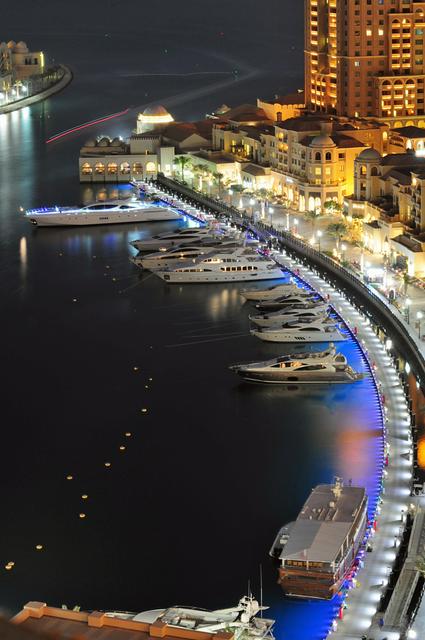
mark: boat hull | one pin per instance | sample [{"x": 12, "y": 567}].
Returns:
[
  {"x": 282, "y": 319},
  {"x": 276, "y": 292},
  {"x": 282, "y": 377},
  {"x": 291, "y": 336},
  {"x": 189, "y": 277},
  {"x": 154, "y": 214}
]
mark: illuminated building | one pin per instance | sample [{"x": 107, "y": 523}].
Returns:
[
  {"x": 390, "y": 194},
  {"x": 16, "y": 59},
  {"x": 365, "y": 58},
  {"x": 153, "y": 118}
]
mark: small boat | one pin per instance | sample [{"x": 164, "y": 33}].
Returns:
[
  {"x": 316, "y": 331},
  {"x": 323, "y": 367},
  {"x": 271, "y": 293},
  {"x": 239, "y": 265},
  {"x": 108, "y": 212},
  {"x": 302, "y": 297},
  {"x": 288, "y": 314}
]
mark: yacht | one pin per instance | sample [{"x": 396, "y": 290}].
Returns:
[
  {"x": 316, "y": 331},
  {"x": 240, "y": 265},
  {"x": 169, "y": 259},
  {"x": 300, "y": 298},
  {"x": 241, "y": 622},
  {"x": 110, "y": 212},
  {"x": 321, "y": 367},
  {"x": 290, "y": 314},
  {"x": 180, "y": 237},
  {"x": 271, "y": 293}
]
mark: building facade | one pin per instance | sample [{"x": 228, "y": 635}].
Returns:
[{"x": 365, "y": 58}]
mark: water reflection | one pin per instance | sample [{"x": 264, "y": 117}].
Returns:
[{"x": 23, "y": 255}]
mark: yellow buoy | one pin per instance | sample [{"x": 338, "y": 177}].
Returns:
[
  {"x": 82, "y": 515},
  {"x": 84, "y": 496},
  {"x": 135, "y": 368},
  {"x": 122, "y": 448},
  {"x": 107, "y": 464},
  {"x": 144, "y": 410},
  {"x": 69, "y": 477},
  {"x": 127, "y": 434},
  {"x": 8, "y": 567},
  {"x": 150, "y": 379},
  {"x": 39, "y": 547}
]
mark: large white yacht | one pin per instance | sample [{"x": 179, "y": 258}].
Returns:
[
  {"x": 314, "y": 312},
  {"x": 271, "y": 293},
  {"x": 179, "y": 237},
  {"x": 108, "y": 212},
  {"x": 316, "y": 331},
  {"x": 298, "y": 298},
  {"x": 240, "y": 265},
  {"x": 311, "y": 367},
  {"x": 169, "y": 259}
]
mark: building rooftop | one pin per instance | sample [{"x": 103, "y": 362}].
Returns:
[
  {"x": 408, "y": 159},
  {"x": 245, "y": 113},
  {"x": 254, "y": 170},
  {"x": 323, "y": 524},
  {"x": 410, "y": 132}
]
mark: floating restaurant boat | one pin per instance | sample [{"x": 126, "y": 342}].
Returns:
[
  {"x": 271, "y": 293},
  {"x": 302, "y": 297},
  {"x": 316, "y": 553},
  {"x": 223, "y": 266},
  {"x": 316, "y": 331},
  {"x": 240, "y": 622},
  {"x": 109, "y": 212},
  {"x": 288, "y": 314},
  {"x": 320, "y": 367}
]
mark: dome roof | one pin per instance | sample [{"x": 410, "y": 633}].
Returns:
[
  {"x": 104, "y": 142},
  {"x": 322, "y": 142},
  {"x": 155, "y": 110},
  {"x": 21, "y": 47},
  {"x": 369, "y": 155},
  {"x": 11, "y": 44},
  {"x": 90, "y": 143},
  {"x": 116, "y": 142}
]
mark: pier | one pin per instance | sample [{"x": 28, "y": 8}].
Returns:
[{"x": 366, "y": 611}]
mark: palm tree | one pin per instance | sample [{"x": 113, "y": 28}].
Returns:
[
  {"x": 312, "y": 215},
  {"x": 337, "y": 230},
  {"x": 183, "y": 162},
  {"x": 219, "y": 177},
  {"x": 331, "y": 206}
]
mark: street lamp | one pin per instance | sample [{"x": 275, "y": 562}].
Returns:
[
  {"x": 230, "y": 195},
  {"x": 271, "y": 211},
  {"x": 408, "y": 303},
  {"x": 295, "y": 225},
  {"x": 419, "y": 316},
  {"x": 252, "y": 203},
  {"x": 319, "y": 235}
]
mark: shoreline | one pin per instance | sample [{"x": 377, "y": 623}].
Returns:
[{"x": 42, "y": 95}]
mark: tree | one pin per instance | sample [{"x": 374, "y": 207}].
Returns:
[
  {"x": 312, "y": 216},
  {"x": 332, "y": 207},
  {"x": 183, "y": 162},
  {"x": 406, "y": 282},
  {"x": 337, "y": 230},
  {"x": 219, "y": 178}
]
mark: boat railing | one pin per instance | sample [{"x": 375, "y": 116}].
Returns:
[{"x": 41, "y": 210}]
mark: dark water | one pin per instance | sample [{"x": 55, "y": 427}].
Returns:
[{"x": 187, "y": 512}]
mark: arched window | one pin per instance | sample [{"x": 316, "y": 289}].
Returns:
[
  {"x": 363, "y": 170},
  {"x": 112, "y": 168},
  {"x": 318, "y": 156},
  {"x": 125, "y": 167},
  {"x": 328, "y": 156},
  {"x": 374, "y": 171},
  {"x": 137, "y": 167},
  {"x": 279, "y": 116},
  {"x": 150, "y": 167},
  {"x": 311, "y": 203},
  {"x": 99, "y": 167},
  {"x": 86, "y": 169}
]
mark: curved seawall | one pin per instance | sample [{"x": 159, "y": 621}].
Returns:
[{"x": 42, "y": 95}]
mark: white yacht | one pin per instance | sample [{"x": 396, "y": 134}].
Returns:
[
  {"x": 290, "y": 314},
  {"x": 109, "y": 212},
  {"x": 240, "y": 265},
  {"x": 320, "y": 367},
  {"x": 298, "y": 298},
  {"x": 180, "y": 237},
  {"x": 316, "y": 331},
  {"x": 169, "y": 259},
  {"x": 271, "y": 293}
]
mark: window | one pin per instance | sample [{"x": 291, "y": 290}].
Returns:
[
  {"x": 86, "y": 169},
  {"x": 99, "y": 167},
  {"x": 150, "y": 167},
  {"x": 125, "y": 167},
  {"x": 112, "y": 168},
  {"x": 137, "y": 167}
]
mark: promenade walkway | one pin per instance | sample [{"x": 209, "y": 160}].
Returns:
[{"x": 361, "y": 619}]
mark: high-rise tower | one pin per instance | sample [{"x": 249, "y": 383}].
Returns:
[{"x": 365, "y": 58}]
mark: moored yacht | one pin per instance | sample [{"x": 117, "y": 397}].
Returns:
[
  {"x": 271, "y": 293},
  {"x": 108, "y": 212},
  {"x": 316, "y": 331},
  {"x": 179, "y": 255},
  {"x": 181, "y": 237},
  {"x": 240, "y": 265},
  {"x": 323, "y": 367},
  {"x": 302, "y": 297},
  {"x": 288, "y": 314}
]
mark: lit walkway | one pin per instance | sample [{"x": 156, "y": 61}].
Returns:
[{"x": 360, "y": 615}]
